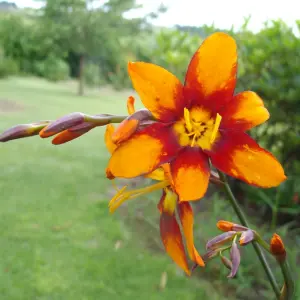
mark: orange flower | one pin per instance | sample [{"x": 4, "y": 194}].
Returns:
[
  {"x": 199, "y": 122},
  {"x": 170, "y": 231}
]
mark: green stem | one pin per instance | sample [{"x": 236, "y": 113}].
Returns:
[
  {"x": 288, "y": 280},
  {"x": 244, "y": 222},
  {"x": 287, "y": 291},
  {"x": 275, "y": 212}
]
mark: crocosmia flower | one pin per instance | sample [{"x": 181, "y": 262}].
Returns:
[
  {"x": 196, "y": 124},
  {"x": 169, "y": 229}
]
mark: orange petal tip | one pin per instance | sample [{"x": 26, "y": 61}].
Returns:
[
  {"x": 225, "y": 225},
  {"x": 45, "y": 134},
  {"x": 109, "y": 174},
  {"x": 277, "y": 247}
]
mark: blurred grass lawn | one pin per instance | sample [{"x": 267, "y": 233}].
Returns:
[{"x": 58, "y": 240}]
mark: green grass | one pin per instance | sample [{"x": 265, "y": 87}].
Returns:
[{"x": 58, "y": 240}]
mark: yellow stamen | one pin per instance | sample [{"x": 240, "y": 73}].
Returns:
[
  {"x": 122, "y": 196},
  {"x": 215, "y": 129},
  {"x": 187, "y": 119},
  {"x": 193, "y": 141},
  {"x": 114, "y": 185},
  {"x": 191, "y": 133}
]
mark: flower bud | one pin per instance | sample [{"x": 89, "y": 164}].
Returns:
[
  {"x": 277, "y": 247},
  {"x": 229, "y": 226},
  {"x": 225, "y": 225},
  {"x": 226, "y": 262},
  {"x": 23, "y": 130},
  {"x": 62, "y": 124},
  {"x": 211, "y": 254}
]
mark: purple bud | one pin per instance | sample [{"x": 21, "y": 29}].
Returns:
[
  {"x": 82, "y": 127},
  {"x": 211, "y": 254},
  {"x": 226, "y": 262},
  {"x": 23, "y": 130},
  {"x": 235, "y": 257},
  {"x": 220, "y": 240},
  {"x": 62, "y": 124},
  {"x": 246, "y": 237}
]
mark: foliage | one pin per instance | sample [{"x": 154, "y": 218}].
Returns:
[
  {"x": 8, "y": 66},
  {"x": 52, "y": 68},
  {"x": 92, "y": 74},
  {"x": 89, "y": 30},
  {"x": 173, "y": 50},
  {"x": 270, "y": 66}
]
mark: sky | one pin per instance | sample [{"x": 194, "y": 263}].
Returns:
[{"x": 223, "y": 13}]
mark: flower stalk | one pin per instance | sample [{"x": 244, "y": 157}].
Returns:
[{"x": 244, "y": 222}]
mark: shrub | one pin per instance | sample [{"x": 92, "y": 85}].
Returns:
[
  {"x": 92, "y": 75},
  {"x": 8, "y": 67},
  {"x": 53, "y": 69}
]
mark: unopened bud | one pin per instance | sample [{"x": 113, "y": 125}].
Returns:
[
  {"x": 225, "y": 225},
  {"x": 72, "y": 133},
  {"x": 62, "y": 124},
  {"x": 219, "y": 240},
  {"x": 277, "y": 247},
  {"x": 211, "y": 254},
  {"x": 23, "y": 130},
  {"x": 229, "y": 226},
  {"x": 226, "y": 262}
]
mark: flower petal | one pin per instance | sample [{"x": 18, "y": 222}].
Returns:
[
  {"x": 110, "y": 145},
  {"x": 235, "y": 257},
  {"x": 211, "y": 76},
  {"x": 187, "y": 220},
  {"x": 245, "y": 111},
  {"x": 125, "y": 130},
  {"x": 190, "y": 173},
  {"x": 238, "y": 155},
  {"x": 160, "y": 91},
  {"x": 172, "y": 240},
  {"x": 143, "y": 152},
  {"x": 246, "y": 237},
  {"x": 157, "y": 174},
  {"x": 220, "y": 240},
  {"x": 131, "y": 124}
]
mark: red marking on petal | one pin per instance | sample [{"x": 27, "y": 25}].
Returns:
[
  {"x": 172, "y": 240},
  {"x": 238, "y": 155}
]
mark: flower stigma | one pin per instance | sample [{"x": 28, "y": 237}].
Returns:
[{"x": 198, "y": 128}]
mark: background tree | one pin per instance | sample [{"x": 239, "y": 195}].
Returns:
[{"x": 89, "y": 30}]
